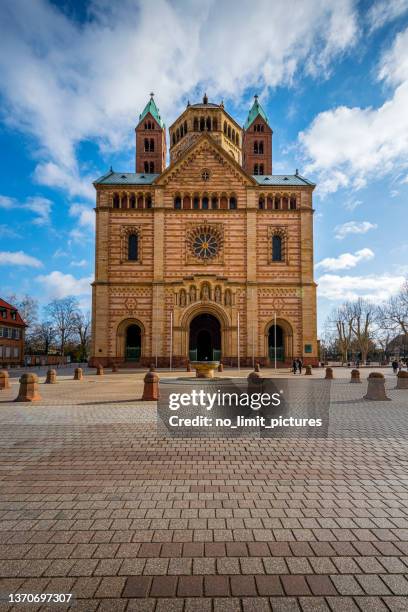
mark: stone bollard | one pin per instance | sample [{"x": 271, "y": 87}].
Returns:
[
  {"x": 151, "y": 386},
  {"x": 188, "y": 368},
  {"x": 78, "y": 374},
  {"x": 257, "y": 367},
  {"x": 376, "y": 387},
  {"x": 4, "y": 380},
  {"x": 221, "y": 367},
  {"x": 114, "y": 367},
  {"x": 28, "y": 391},
  {"x": 308, "y": 370},
  {"x": 99, "y": 370},
  {"x": 402, "y": 380},
  {"x": 329, "y": 374},
  {"x": 355, "y": 376},
  {"x": 51, "y": 377}
]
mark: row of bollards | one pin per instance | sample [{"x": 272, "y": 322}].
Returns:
[{"x": 29, "y": 390}]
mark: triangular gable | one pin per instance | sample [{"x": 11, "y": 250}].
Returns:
[{"x": 205, "y": 141}]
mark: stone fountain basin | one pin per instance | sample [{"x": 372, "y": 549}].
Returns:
[{"x": 205, "y": 369}]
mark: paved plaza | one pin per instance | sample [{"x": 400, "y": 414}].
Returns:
[{"x": 94, "y": 503}]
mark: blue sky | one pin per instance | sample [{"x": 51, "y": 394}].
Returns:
[{"x": 332, "y": 77}]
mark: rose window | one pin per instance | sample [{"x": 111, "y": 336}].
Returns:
[{"x": 204, "y": 242}]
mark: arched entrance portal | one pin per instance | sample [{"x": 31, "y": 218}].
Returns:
[
  {"x": 133, "y": 343},
  {"x": 205, "y": 338},
  {"x": 276, "y": 343}
]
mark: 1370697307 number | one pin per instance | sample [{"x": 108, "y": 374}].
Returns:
[{"x": 39, "y": 597}]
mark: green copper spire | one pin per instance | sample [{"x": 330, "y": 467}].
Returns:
[
  {"x": 254, "y": 112},
  {"x": 153, "y": 110}
]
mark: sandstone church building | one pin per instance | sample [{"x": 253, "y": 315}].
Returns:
[{"x": 209, "y": 257}]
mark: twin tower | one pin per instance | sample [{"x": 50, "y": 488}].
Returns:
[{"x": 250, "y": 146}]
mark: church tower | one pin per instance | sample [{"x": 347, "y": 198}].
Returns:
[
  {"x": 257, "y": 142},
  {"x": 150, "y": 140}
]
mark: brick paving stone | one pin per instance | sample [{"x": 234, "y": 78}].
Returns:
[
  {"x": 137, "y": 586},
  {"x": 197, "y": 604},
  {"x": 321, "y": 585},
  {"x": 295, "y": 585},
  {"x": 313, "y": 604},
  {"x": 216, "y": 586},
  {"x": 190, "y": 586},
  {"x": 268, "y": 585},
  {"x": 111, "y": 587},
  {"x": 163, "y": 586},
  {"x": 284, "y": 604}
]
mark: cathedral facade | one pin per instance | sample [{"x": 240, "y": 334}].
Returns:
[{"x": 209, "y": 257}]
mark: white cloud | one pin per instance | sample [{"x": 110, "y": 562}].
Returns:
[
  {"x": 71, "y": 82},
  {"x": 376, "y": 288},
  {"x": 353, "y": 227},
  {"x": 84, "y": 214},
  {"x": 352, "y": 204},
  {"x": 347, "y": 147},
  {"x": 345, "y": 261},
  {"x": 19, "y": 258},
  {"x": 79, "y": 264},
  {"x": 41, "y": 207},
  {"x": 383, "y": 11},
  {"x": 59, "y": 285},
  {"x": 7, "y": 232}
]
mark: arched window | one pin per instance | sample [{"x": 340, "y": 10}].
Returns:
[
  {"x": 260, "y": 147},
  {"x": 214, "y": 202},
  {"x": 140, "y": 201},
  {"x": 146, "y": 126},
  {"x": 233, "y": 203},
  {"x": 292, "y": 202},
  {"x": 276, "y": 248},
  {"x": 177, "y": 135},
  {"x": 225, "y": 127},
  {"x": 151, "y": 144},
  {"x": 277, "y": 202},
  {"x": 146, "y": 167},
  {"x": 123, "y": 201},
  {"x": 229, "y": 132},
  {"x": 185, "y": 127},
  {"x": 285, "y": 203},
  {"x": 233, "y": 135},
  {"x": 208, "y": 123},
  {"x": 204, "y": 203},
  {"x": 146, "y": 144},
  {"x": 215, "y": 124},
  {"x": 224, "y": 202},
  {"x": 202, "y": 124},
  {"x": 196, "y": 202},
  {"x": 174, "y": 138},
  {"x": 151, "y": 167},
  {"x": 256, "y": 146},
  {"x": 132, "y": 201},
  {"x": 269, "y": 202},
  {"x": 261, "y": 169},
  {"x": 148, "y": 201},
  {"x": 177, "y": 202},
  {"x": 115, "y": 200},
  {"x": 186, "y": 201},
  {"x": 133, "y": 247},
  {"x": 237, "y": 139},
  {"x": 195, "y": 124},
  {"x": 256, "y": 169},
  {"x": 261, "y": 203}
]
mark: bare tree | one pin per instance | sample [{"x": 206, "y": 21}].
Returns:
[
  {"x": 393, "y": 315},
  {"x": 62, "y": 315},
  {"x": 82, "y": 327},
  {"x": 342, "y": 321},
  {"x": 363, "y": 313},
  {"x": 27, "y": 307},
  {"x": 43, "y": 336}
]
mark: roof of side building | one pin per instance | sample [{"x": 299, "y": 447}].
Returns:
[
  {"x": 291, "y": 180},
  {"x": 126, "y": 178}
]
